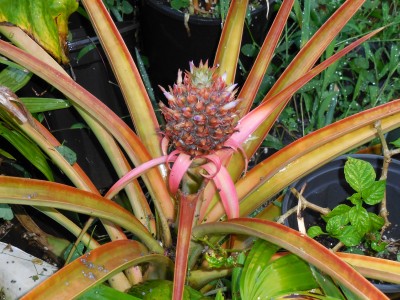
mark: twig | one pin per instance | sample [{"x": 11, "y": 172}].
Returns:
[
  {"x": 300, "y": 218},
  {"x": 337, "y": 247},
  {"x": 387, "y": 154},
  {"x": 305, "y": 204}
]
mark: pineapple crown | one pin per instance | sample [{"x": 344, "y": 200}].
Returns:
[{"x": 202, "y": 75}]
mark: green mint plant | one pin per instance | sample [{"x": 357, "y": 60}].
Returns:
[{"x": 353, "y": 224}]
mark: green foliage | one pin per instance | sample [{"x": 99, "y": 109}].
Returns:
[
  {"x": 236, "y": 274},
  {"x": 396, "y": 143},
  {"x": 38, "y": 105},
  {"x": 67, "y": 153},
  {"x": 46, "y": 21},
  {"x": 160, "y": 290},
  {"x": 220, "y": 261},
  {"x": 14, "y": 77},
  {"x": 27, "y": 148},
  {"x": 6, "y": 212},
  {"x": 366, "y": 78},
  {"x": 179, "y": 4},
  {"x": 219, "y": 296},
  {"x": 119, "y": 8},
  {"x": 263, "y": 278},
  {"x": 79, "y": 251},
  {"x": 354, "y": 224},
  {"x": 218, "y": 257},
  {"x": 103, "y": 292}
]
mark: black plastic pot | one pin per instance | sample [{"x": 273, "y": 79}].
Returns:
[
  {"x": 169, "y": 46},
  {"x": 327, "y": 187}
]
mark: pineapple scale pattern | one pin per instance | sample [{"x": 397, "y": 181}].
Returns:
[{"x": 202, "y": 112}]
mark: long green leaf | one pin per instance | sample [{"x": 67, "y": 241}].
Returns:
[
  {"x": 28, "y": 149},
  {"x": 36, "y": 105},
  {"x": 263, "y": 278},
  {"x": 257, "y": 260},
  {"x": 14, "y": 78},
  {"x": 289, "y": 274},
  {"x": 103, "y": 292}
]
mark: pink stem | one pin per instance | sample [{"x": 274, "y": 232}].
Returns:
[{"x": 187, "y": 208}]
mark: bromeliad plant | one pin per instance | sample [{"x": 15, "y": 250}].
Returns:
[{"x": 195, "y": 169}]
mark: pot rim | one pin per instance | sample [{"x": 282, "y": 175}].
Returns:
[
  {"x": 318, "y": 171},
  {"x": 193, "y": 19}
]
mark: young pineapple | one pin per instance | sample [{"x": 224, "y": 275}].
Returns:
[{"x": 202, "y": 112}]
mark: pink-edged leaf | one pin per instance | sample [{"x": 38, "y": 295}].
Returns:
[
  {"x": 41, "y": 193},
  {"x": 314, "y": 48},
  {"x": 373, "y": 267},
  {"x": 249, "y": 123},
  {"x": 368, "y": 266},
  {"x": 256, "y": 75},
  {"x": 228, "y": 49},
  {"x": 127, "y": 74},
  {"x": 265, "y": 114},
  {"x": 226, "y": 189},
  {"x": 172, "y": 156},
  {"x": 304, "y": 61},
  {"x": 132, "y": 145},
  {"x": 93, "y": 268},
  {"x": 134, "y": 192},
  {"x": 299, "y": 158},
  {"x": 299, "y": 244},
  {"x": 187, "y": 208},
  {"x": 135, "y": 173},
  {"x": 178, "y": 170},
  {"x": 234, "y": 145},
  {"x": 211, "y": 190}
]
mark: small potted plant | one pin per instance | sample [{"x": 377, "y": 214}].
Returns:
[{"x": 350, "y": 204}]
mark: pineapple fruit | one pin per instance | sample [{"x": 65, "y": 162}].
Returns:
[{"x": 202, "y": 112}]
